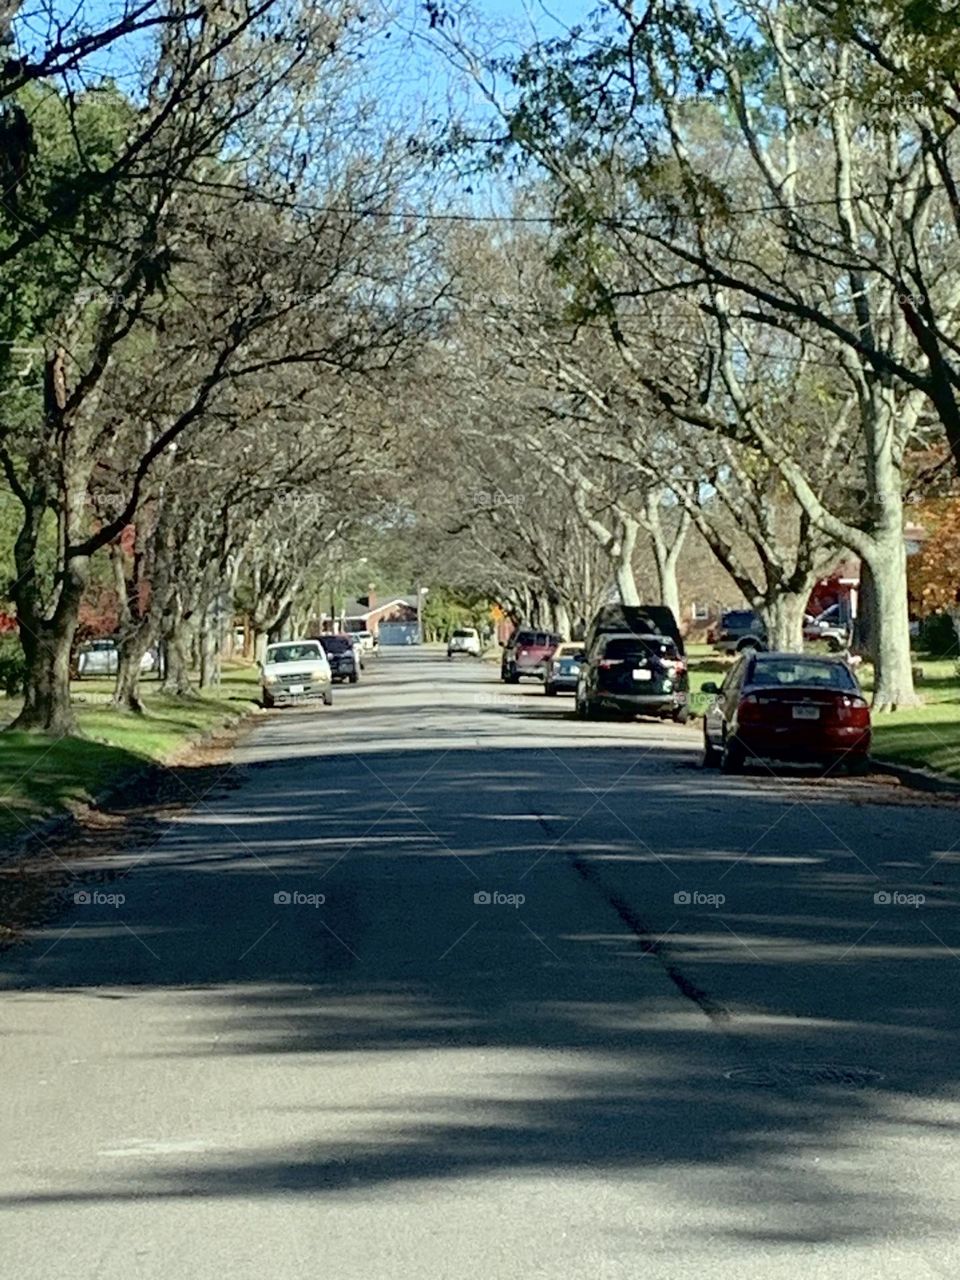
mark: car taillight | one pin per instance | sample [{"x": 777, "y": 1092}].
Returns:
[
  {"x": 606, "y": 663},
  {"x": 749, "y": 708},
  {"x": 853, "y": 710}
]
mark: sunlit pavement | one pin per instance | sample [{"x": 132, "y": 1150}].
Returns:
[{"x": 441, "y": 982}]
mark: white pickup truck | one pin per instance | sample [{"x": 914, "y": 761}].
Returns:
[{"x": 295, "y": 671}]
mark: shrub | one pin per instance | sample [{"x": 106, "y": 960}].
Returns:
[
  {"x": 13, "y": 666},
  {"x": 938, "y": 636}
]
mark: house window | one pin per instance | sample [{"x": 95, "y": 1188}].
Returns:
[{"x": 700, "y": 611}]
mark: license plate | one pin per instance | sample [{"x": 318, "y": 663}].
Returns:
[
  {"x": 642, "y": 674},
  {"x": 806, "y": 713},
  {"x": 296, "y": 688}
]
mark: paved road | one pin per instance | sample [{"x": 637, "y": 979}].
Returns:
[{"x": 605, "y": 1080}]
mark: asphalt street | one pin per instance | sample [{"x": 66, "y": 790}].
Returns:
[{"x": 441, "y": 982}]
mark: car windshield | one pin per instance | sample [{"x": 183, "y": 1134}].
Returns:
[
  {"x": 307, "y": 652},
  {"x": 739, "y": 618},
  {"x": 805, "y": 672},
  {"x": 336, "y": 644},
  {"x": 464, "y": 635},
  {"x": 633, "y": 647},
  {"x": 536, "y": 639}
]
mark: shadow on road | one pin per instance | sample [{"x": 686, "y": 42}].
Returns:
[{"x": 609, "y": 1006}]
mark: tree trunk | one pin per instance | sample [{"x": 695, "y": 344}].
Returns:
[
  {"x": 666, "y": 553},
  {"x": 207, "y": 646},
  {"x": 783, "y": 617},
  {"x": 47, "y": 643},
  {"x": 46, "y": 701},
  {"x": 893, "y": 662},
  {"x": 667, "y": 584},
  {"x": 259, "y": 644},
  {"x": 562, "y": 619},
  {"x": 176, "y": 681},
  {"x": 126, "y": 691},
  {"x": 622, "y": 554}
]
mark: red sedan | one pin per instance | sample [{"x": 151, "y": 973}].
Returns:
[{"x": 786, "y": 706}]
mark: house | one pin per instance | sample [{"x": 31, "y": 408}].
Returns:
[{"x": 392, "y": 621}]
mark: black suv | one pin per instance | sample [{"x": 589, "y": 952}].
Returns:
[
  {"x": 634, "y": 675},
  {"x": 342, "y": 656},
  {"x": 737, "y": 630}
]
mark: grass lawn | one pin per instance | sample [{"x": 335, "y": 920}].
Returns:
[
  {"x": 926, "y": 737},
  {"x": 40, "y": 776}
]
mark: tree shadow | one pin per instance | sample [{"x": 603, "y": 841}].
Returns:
[{"x": 589, "y": 1030}]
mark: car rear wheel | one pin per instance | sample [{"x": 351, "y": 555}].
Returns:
[
  {"x": 681, "y": 714},
  {"x": 550, "y": 690},
  {"x": 513, "y": 677},
  {"x": 328, "y": 699},
  {"x": 354, "y": 678},
  {"x": 733, "y": 758}
]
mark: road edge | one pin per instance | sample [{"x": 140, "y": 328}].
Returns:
[{"x": 917, "y": 779}]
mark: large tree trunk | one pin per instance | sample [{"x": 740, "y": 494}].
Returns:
[
  {"x": 667, "y": 584},
  {"x": 47, "y": 643},
  {"x": 893, "y": 662},
  {"x": 783, "y": 617},
  {"x": 666, "y": 552},
  {"x": 622, "y": 555},
  {"x": 46, "y": 697}
]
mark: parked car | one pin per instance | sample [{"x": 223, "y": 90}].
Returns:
[
  {"x": 464, "y": 640},
  {"x": 737, "y": 630},
  {"x": 528, "y": 653},
  {"x": 786, "y": 706},
  {"x": 368, "y": 641},
  {"x": 829, "y": 627},
  {"x": 343, "y": 656},
  {"x": 101, "y": 658},
  {"x": 358, "y": 649},
  {"x": 638, "y": 620},
  {"x": 295, "y": 671},
  {"x": 564, "y": 669},
  {"x": 633, "y": 675}
]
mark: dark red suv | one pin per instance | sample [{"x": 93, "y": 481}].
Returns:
[{"x": 528, "y": 653}]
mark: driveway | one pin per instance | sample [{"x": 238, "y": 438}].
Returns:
[{"x": 441, "y": 982}]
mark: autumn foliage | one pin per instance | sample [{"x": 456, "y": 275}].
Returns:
[{"x": 934, "y": 572}]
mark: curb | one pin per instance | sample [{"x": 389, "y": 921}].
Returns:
[
  {"x": 58, "y": 824},
  {"x": 918, "y": 779}
]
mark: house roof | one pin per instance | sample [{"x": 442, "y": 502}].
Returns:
[{"x": 360, "y": 608}]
